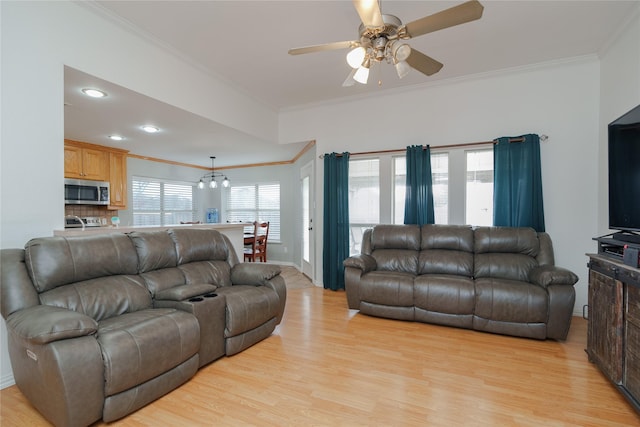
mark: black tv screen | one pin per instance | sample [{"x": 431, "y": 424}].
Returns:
[{"x": 624, "y": 172}]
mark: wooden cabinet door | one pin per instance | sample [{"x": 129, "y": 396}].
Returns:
[
  {"x": 632, "y": 342},
  {"x": 94, "y": 164},
  {"x": 605, "y": 328},
  {"x": 118, "y": 180},
  {"x": 72, "y": 162}
]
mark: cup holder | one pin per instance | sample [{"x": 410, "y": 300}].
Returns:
[
  {"x": 196, "y": 299},
  {"x": 210, "y": 295}
]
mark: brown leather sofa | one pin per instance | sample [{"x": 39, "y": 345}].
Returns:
[
  {"x": 99, "y": 326},
  {"x": 494, "y": 279}
]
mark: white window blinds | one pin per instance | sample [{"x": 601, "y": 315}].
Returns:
[
  {"x": 255, "y": 202},
  {"x": 157, "y": 202}
]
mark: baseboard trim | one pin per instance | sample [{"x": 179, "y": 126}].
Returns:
[{"x": 7, "y": 381}]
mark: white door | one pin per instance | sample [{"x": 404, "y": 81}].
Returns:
[{"x": 306, "y": 184}]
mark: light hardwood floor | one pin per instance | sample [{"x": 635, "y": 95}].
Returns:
[{"x": 328, "y": 366}]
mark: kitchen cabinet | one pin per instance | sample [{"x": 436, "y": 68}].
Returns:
[
  {"x": 117, "y": 180},
  {"x": 613, "y": 334},
  {"x": 85, "y": 163},
  {"x": 99, "y": 163}
]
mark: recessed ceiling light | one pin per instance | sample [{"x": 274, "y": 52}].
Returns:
[
  {"x": 150, "y": 129},
  {"x": 94, "y": 93},
  {"x": 116, "y": 137}
]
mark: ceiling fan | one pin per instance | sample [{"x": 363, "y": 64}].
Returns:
[{"x": 382, "y": 39}]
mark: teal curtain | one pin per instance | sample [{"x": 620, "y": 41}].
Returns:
[
  {"x": 418, "y": 202},
  {"x": 336, "y": 219},
  {"x": 517, "y": 183}
]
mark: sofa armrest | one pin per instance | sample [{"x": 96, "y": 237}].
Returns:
[
  {"x": 250, "y": 273},
  {"x": 43, "y": 324},
  {"x": 183, "y": 292},
  {"x": 547, "y": 275},
  {"x": 364, "y": 262}
]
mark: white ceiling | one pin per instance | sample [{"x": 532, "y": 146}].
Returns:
[{"x": 246, "y": 42}]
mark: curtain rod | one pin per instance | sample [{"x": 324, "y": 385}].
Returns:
[{"x": 467, "y": 144}]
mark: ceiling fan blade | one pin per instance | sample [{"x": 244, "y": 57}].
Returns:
[
  {"x": 348, "y": 82},
  {"x": 423, "y": 63},
  {"x": 323, "y": 47},
  {"x": 465, "y": 12},
  {"x": 369, "y": 12}
]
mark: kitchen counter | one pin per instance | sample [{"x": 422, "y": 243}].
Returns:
[{"x": 233, "y": 231}]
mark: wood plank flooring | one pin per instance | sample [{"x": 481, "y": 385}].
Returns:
[{"x": 328, "y": 366}]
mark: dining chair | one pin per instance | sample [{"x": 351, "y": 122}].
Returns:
[{"x": 256, "y": 248}]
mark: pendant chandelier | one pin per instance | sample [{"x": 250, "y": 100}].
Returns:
[{"x": 211, "y": 178}]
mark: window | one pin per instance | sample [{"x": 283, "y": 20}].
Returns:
[
  {"x": 255, "y": 202},
  {"x": 479, "y": 187},
  {"x": 157, "y": 202},
  {"x": 440, "y": 181},
  {"x": 364, "y": 199}
]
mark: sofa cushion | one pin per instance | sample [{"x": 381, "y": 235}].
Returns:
[
  {"x": 159, "y": 280},
  {"x": 155, "y": 250},
  {"x": 452, "y": 237},
  {"x": 387, "y": 288},
  {"x": 101, "y": 298},
  {"x": 403, "y": 261},
  {"x": 504, "y": 266},
  {"x": 194, "y": 244},
  {"x": 444, "y": 261},
  {"x": 215, "y": 272},
  {"x": 395, "y": 237},
  {"x": 137, "y": 347},
  {"x": 56, "y": 261},
  {"x": 506, "y": 240},
  {"x": 248, "y": 307},
  {"x": 444, "y": 293},
  {"x": 511, "y": 301}
]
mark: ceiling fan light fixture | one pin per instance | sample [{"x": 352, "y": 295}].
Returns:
[
  {"x": 362, "y": 73},
  {"x": 356, "y": 57},
  {"x": 402, "y": 68},
  {"x": 400, "y": 51}
]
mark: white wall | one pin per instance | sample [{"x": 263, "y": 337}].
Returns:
[
  {"x": 619, "y": 93},
  {"x": 559, "y": 99}
]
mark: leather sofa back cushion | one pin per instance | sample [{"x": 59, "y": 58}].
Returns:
[
  {"x": 504, "y": 266},
  {"x": 443, "y": 261},
  {"x": 214, "y": 272},
  {"x": 399, "y": 260},
  {"x": 56, "y": 261},
  {"x": 395, "y": 237},
  {"x": 155, "y": 250},
  {"x": 160, "y": 280},
  {"x": 101, "y": 298},
  {"x": 199, "y": 245},
  {"x": 453, "y": 237},
  {"x": 506, "y": 240}
]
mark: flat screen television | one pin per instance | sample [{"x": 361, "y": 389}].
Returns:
[{"x": 624, "y": 172}]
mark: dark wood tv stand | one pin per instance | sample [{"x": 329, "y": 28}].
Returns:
[{"x": 613, "y": 335}]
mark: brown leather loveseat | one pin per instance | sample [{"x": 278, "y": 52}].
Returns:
[
  {"x": 494, "y": 279},
  {"x": 99, "y": 326}
]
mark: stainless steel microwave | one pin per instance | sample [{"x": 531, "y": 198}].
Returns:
[{"x": 84, "y": 192}]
